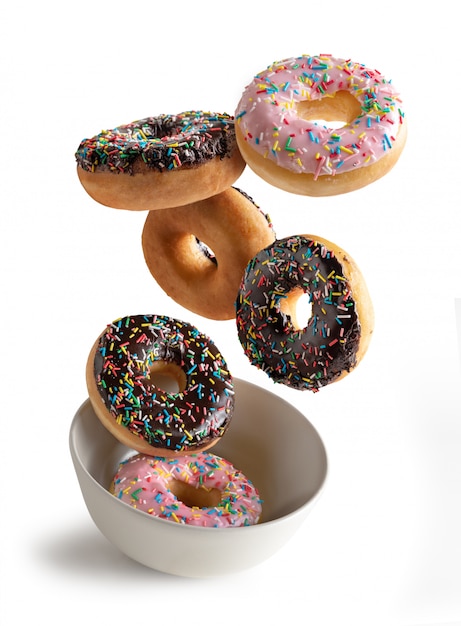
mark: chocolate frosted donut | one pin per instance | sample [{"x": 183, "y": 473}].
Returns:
[
  {"x": 138, "y": 412},
  {"x": 337, "y": 333},
  {"x": 160, "y": 162}
]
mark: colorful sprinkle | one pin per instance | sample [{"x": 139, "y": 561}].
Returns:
[
  {"x": 362, "y": 141},
  {"x": 163, "y": 142}
]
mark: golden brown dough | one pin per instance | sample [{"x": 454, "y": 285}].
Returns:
[{"x": 207, "y": 283}]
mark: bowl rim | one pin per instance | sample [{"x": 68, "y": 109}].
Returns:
[{"x": 251, "y": 528}]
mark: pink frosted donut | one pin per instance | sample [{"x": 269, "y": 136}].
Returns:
[
  {"x": 199, "y": 489},
  {"x": 282, "y": 137}
]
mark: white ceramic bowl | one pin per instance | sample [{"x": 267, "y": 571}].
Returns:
[{"x": 268, "y": 439}]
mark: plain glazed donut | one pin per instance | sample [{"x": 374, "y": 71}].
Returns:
[
  {"x": 280, "y": 140},
  {"x": 177, "y": 244},
  {"x": 135, "y": 410},
  {"x": 160, "y": 162},
  {"x": 200, "y": 490},
  {"x": 340, "y": 325}
]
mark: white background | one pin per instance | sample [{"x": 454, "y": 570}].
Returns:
[{"x": 383, "y": 545}]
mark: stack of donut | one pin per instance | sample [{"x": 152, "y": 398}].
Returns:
[
  {"x": 171, "y": 475},
  {"x": 213, "y": 250},
  {"x": 200, "y": 232}
]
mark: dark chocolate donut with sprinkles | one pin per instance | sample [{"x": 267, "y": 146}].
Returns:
[
  {"x": 161, "y": 162},
  {"x": 338, "y": 331},
  {"x": 121, "y": 373}
]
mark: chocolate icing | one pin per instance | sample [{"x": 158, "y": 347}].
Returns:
[
  {"x": 162, "y": 143},
  {"x": 180, "y": 421},
  {"x": 316, "y": 355}
]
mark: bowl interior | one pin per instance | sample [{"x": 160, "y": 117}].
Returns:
[{"x": 268, "y": 439}]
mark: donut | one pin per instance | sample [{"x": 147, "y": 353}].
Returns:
[
  {"x": 121, "y": 378},
  {"x": 283, "y": 137},
  {"x": 199, "y": 489},
  {"x": 198, "y": 252},
  {"x": 339, "y": 326},
  {"x": 160, "y": 162}
]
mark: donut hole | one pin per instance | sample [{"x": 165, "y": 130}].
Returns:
[
  {"x": 298, "y": 306},
  {"x": 167, "y": 377},
  {"x": 191, "y": 496},
  {"x": 334, "y": 111},
  {"x": 206, "y": 251},
  {"x": 191, "y": 254}
]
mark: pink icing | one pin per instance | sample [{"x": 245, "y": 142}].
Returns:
[
  {"x": 142, "y": 481},
  {"x": 267, "y": 115}
]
